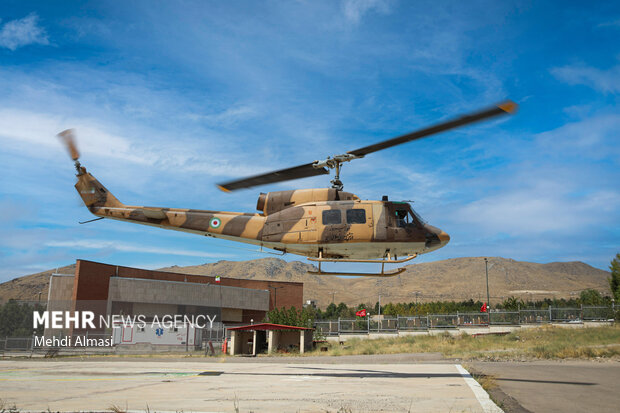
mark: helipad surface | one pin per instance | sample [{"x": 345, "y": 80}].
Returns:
[{"x": 194, "y": 386}]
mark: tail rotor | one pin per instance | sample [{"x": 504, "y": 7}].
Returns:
[{"x": 68, "y": 138}]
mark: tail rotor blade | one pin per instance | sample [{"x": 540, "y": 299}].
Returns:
[{"x": 68, "y": 138}]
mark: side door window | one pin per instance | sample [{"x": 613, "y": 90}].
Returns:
[
  {"x": 332, "y": 217},
  {"x": 356, "y": 216},
  {"x": 359, "y": 223}
]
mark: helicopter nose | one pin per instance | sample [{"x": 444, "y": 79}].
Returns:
[
  {"x": 435, "y": 238},
  {"x": 443, "y": 237}
]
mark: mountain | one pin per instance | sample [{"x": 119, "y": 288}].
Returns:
[
  {"x": 453, "y": 279},
  {"x": 28, "y": 287}
]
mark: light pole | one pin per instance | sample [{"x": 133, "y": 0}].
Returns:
[
  {"x": 486, "y": 268},
  {"x": 417, "y": 293}
]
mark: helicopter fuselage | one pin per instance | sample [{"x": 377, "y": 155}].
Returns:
[{"x": 321, "y": 222}]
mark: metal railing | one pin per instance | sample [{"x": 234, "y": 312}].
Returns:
[
  {"x": 412, "y": 323},
  {"x": 385, "y": 324},
  {"x": 390, "y": 324}
]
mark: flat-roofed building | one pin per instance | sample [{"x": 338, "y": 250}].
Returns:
[{"x": 110, "y": 290}]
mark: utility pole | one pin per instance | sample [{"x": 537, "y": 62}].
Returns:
[
  {"x": 379, "y": 304},
  {"x": 333, "y": 297},
  {"x": 486, "y": 268}
]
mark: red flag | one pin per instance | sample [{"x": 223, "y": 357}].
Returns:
[
  {"x": 361, "y": 313},
  {"x": 483, "y": 309}
]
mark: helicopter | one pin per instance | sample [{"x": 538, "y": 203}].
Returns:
[{"x": 322, "y": 224}]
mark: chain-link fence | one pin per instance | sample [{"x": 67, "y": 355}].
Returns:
[
  {"x": 17, "y": 343},
  {"x": 443, "y": 321},
  {"x": 473, "y": 319},
  {"x": 326, "y": 328},
  {"x": 597, "y": 313},
  {"x": 387, "y": 324},
  {"x": 384, "y": 324},
  {"x": 359, "y": 326},
  {"x": 504, "y": 317},
  {"x": 534, "y": 316},
  {"x": 412, "y": 323}
]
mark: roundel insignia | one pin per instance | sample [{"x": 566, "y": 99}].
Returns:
[{"x": 215, "y": 222}]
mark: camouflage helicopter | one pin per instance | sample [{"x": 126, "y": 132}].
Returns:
[{"x": 324, "y": 225}]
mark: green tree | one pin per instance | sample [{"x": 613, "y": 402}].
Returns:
[
  {"x": 513, "y": 303},
  {"x": 591, "y": 297},
  {"x": 290, "y": 317},
  {"x": 16, "y": 319},
  {"x": 331, "y": 311},
  {"x": 614, "y": 280}
]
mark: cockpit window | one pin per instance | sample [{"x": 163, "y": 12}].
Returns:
[
  {"x": 403, "y": 218},
  {"x": 420, "y": 219},
  {"x": 406, "y": 216}
]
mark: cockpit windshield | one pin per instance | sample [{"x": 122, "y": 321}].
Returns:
[{"x": 405, "y": 215}]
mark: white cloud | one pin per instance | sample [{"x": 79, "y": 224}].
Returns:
[
  {"x": 593, "y": 137},
  {"x": 32, "y": 133},
  {"x": 538, "y": 210},
  {"x": 606, "y": 81},
  {"x": 228, "y": 117},
  {"x": 354, "y": 10},
  {"x": 22, "y": 32},
  {"x": 127, "y": 247}
]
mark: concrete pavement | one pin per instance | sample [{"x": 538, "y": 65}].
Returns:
[
  {"x": 555, "y": 386},
  {"x": 197, "y": 386}
]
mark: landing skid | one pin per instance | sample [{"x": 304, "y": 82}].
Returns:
[{"x": 362, "y": 274}]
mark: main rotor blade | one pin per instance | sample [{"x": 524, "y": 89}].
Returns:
[
  {"x": 296, "y": 172},
  {"x": 500, "y": 109}
]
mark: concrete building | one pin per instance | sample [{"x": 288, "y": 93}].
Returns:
[{"x": 110, "y": 290}]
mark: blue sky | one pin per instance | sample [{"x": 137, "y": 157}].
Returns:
[{"x": 169, "y": 98}]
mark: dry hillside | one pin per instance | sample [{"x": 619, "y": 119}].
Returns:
[
  {"x": 28, "y": 287},
  {"x": 453, "y": 279}
]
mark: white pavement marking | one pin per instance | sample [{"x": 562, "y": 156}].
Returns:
[{"x": 483, "y": 397}]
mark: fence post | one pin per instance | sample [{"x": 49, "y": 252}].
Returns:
[
  {"x": 458, "y": 320},
  {"x": 550, "y": 316},
  {"x": 338, "y": 325}
]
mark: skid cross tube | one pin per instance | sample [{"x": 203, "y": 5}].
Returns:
[{"x": 397, "y": 271}]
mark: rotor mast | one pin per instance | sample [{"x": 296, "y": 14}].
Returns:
[{"x": 335, "y": 162}]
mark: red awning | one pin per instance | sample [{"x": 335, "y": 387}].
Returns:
[{"x": 267, "y": 326}]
